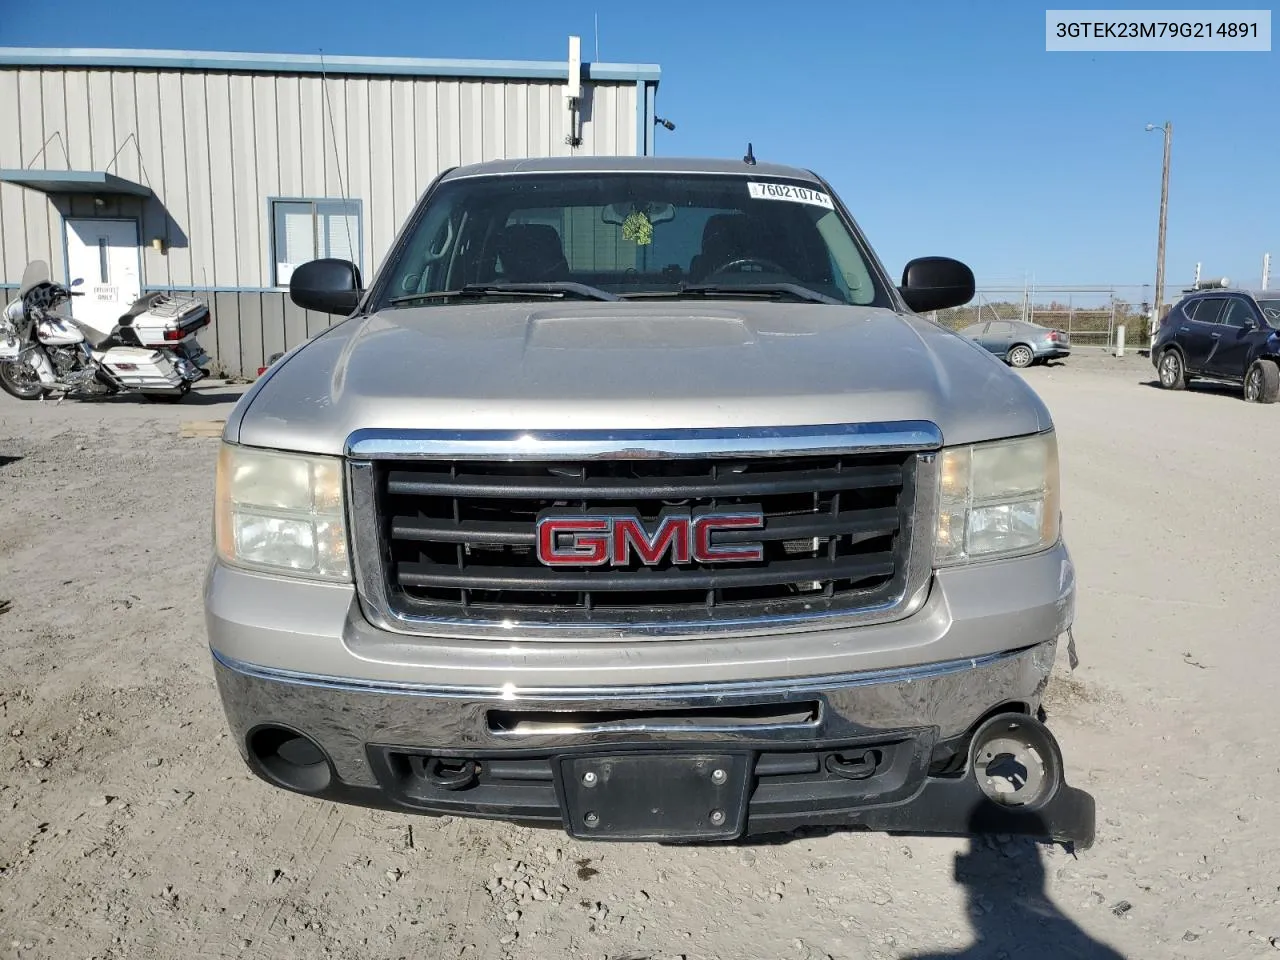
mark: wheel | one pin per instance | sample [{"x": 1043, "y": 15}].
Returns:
[
  {"x": 169, "y": 397},
  {"x": 20, "y": 380},
  {"x": 1021, "y": 356},
  {"x": 1173, "y": 375},
  {"x": 1262, "y": 382}
]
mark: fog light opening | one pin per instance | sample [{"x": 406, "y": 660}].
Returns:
[
  {"x": 1016, "y": 762},
  {"x": 290, "y": 759},
  {"x": 1006, "y": 773}
]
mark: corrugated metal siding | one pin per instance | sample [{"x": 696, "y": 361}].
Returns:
[{"x": 215, "y": 146}]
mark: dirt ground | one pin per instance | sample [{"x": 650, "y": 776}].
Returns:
[{"x": 130, "y": 828}]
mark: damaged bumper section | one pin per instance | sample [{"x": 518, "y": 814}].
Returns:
[{"x": 945, "y": 748}]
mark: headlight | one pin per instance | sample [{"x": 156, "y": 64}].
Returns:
[
  {"x": 997, "y": 499},
  {"x": 281, "y": 513}
]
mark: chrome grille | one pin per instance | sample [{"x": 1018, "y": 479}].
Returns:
[{"x": 450, "y": 542}]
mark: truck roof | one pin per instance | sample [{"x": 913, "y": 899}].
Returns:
[
  {"x": 629, "y": 165},
  {"x": 1246, "y": 291}
]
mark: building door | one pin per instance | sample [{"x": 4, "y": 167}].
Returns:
[{"x": 103, "y": 253}]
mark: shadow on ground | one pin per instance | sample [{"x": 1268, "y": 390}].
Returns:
[
  {"x": 1208, "y": 388},
  {"x": 196, "y": 398},
  {"x": 1010, "y": 910}
]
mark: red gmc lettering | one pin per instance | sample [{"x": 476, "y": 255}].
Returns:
[
  {"x": 672, "y": 534},
  {"x": 588, "y": 541},
  {"x": 707, "y": 524},
  {"x": 595, "y": 540}
]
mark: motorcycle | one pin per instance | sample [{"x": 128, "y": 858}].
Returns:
[{"x": 151, "y": 350}]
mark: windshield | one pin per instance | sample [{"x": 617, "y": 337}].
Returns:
[
  {"x": 630, "y": 235},
  {"x": 1270, "y": 312},
  {"x": 37, "y": 272}
]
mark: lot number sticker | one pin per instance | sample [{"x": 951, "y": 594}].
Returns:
[{"x": 785, "y": 191}]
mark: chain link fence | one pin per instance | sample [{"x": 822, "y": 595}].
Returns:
[{"x": 1088, "y": 314}]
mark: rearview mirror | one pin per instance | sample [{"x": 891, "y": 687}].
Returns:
[
  {"x": 329, "y": 285},
  {"x": 935, "y": 283},
  {"x": 661, "y": 212},
  {"x": 617, "y": 213}
]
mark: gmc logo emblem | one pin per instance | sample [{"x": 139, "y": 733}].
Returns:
[{"x": 598, "y": 539}]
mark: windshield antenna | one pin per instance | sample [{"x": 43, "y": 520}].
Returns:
[
  {"x": 750, "y": 158},
  {"x": 337, "y": 164}
]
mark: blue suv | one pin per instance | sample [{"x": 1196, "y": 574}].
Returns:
[{"x": 1232, "y": 336}]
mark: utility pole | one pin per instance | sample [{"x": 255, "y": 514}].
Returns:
[
  {"x": 1167, "y": 129},
  {"x": 1266, "y": 270}
]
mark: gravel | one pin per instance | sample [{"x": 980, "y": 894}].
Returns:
[{"x": 1169, "y": 721}]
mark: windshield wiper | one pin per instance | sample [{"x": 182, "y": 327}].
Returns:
[
  {"x": 550, "y": 290},
  {"x": 794, "y": 290}
]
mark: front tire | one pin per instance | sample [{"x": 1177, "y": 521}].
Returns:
[
  {"x": 1262, "y": 382},
  {"x": 1173, "y": 373},
  {"x": 20, "y": 380},
  {"x": 1021, "y": 356}
]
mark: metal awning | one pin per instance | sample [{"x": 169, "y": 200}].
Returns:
[{"x": 96, "y": 182}]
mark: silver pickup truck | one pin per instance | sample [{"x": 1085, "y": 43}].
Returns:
[{"x": 633, "y": 498}]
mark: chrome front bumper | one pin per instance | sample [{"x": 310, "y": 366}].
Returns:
[
  {"x": 345, "y": 716},
  {"x": 376, "y": 743},
  {"x": 382, "y": 708}
]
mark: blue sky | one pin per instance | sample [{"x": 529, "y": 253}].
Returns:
[{"x": 946, "y": 127}]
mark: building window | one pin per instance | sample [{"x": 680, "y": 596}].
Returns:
[{"x": 305, "y": 230}]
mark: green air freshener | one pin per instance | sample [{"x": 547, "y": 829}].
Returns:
[{"x": 637, "y": 228}]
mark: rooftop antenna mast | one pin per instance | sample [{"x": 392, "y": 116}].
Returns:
[
  {"x": 750, "y": 158},
  {"x": 337, "y": 163}
]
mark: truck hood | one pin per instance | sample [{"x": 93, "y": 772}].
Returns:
[{"x": 631, "y": 365}]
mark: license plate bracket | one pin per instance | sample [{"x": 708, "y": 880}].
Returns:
[{"x": 654, "y": 796}]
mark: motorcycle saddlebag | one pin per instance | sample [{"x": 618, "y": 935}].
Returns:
[{"x": 142, "y": 368}]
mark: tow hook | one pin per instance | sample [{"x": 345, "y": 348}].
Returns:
[
  {"x": 858, "y": 766},
  {"x": 450, "y": 774}
]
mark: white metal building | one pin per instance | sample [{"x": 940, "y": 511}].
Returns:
[{"x": 217, "y": 173}]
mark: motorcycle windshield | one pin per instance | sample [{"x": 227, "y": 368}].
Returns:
[{"x": 37, "y": 272}]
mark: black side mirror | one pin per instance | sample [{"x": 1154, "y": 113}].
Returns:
[
  {"x": 328, "y": 286},
  {"x": 935, "y": 283}
]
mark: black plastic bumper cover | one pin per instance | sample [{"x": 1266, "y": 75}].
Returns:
[{"x": 942, "y": 807}]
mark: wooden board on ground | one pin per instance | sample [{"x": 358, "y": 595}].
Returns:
[{"x": 201, "y": 428}]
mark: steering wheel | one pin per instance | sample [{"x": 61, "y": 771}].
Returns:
[{"x": 736, "y": 266}]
